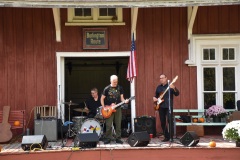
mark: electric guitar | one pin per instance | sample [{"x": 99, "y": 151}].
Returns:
[
  {"x": 5, "y": 127},
  {"x": 160, "y": 98},
  {"x": 108, "y": 110}
]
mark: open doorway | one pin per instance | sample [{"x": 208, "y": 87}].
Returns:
[
  {"x": 91, "y": 58},
  {"x": 84, "y": 73}
]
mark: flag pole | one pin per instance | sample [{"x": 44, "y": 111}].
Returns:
[{"x": 133, "y": 104}]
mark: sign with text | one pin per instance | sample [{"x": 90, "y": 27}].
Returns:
[{"x": 95, "y": 38}]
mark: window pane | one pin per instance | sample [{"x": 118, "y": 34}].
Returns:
[
  {"x": 78, "y": 11},
  {"x": 82, "y": 11},
  {"x": 107, "y": 11},
  {"x": 208, "y": 54},
  {"x": 231, "y": 54},
  {"x": 229, "y": 79},
  {"x": 209, "y": 100},
  {"x": 212, "y": 54},
  {"x": 225, "y": 54},
  {"x": 112, "y": 12},
  {"x": 205, "y": 54},
  {"x": 209, "y": 79},
  {"x": 229, "y": 100},
  {"x": 103, "y": 11}
]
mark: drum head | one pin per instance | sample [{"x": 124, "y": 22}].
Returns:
[{"x": 90, "y": 125}]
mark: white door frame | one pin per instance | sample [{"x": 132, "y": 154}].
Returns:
[{"x": 61, "y": 75}]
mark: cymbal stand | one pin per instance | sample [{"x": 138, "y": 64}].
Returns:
[{"x": 69, "y": 125}]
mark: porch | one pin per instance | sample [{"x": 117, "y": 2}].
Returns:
[{"x": 154, "y": 150}]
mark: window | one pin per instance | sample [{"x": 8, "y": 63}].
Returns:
[
  {"x": 94, "y": 16},
  {"x": 218, "y": 65},
  {"x": 228, "y": 54}
]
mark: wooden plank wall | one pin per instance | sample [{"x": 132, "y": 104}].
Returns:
[{"x": 28, "y": 52}]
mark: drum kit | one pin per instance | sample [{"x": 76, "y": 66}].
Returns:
[{"x": 82, "y": 124}]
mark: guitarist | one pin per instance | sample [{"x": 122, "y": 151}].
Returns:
[
  {"x": 112, "y": 95},
  {"x": 164, "y": 105}
]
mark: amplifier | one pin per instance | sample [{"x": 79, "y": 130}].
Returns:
[
  {"x": 47, "y": 127},
  {"x": 145, "y": 124}
]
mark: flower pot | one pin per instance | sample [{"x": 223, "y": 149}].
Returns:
[
  {"x": 216, "y": 119},
  {"x": 238, "y": 143}
]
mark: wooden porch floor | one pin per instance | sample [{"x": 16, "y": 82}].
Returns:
[{"x": 15, "y": 146}]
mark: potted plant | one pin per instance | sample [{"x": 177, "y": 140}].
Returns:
[
  {"x": 216, "y": 112},
  {"x": 232, "y": 132}
]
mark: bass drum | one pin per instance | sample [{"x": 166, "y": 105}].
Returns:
[{"x": 91, "y": 125}]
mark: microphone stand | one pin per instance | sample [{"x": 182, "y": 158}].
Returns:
[
  {"x": 170, "y": 113},
  {"x": 60, "y": 107}
]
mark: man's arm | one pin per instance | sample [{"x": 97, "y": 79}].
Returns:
[
  {"x": 123, "y": 99},
  {"x": 102, "y": 100}
]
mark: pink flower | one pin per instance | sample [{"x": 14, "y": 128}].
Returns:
[{"x": 215, "y": 111}]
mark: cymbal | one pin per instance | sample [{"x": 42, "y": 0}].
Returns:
[
  {"x": 69, "y": 103},
  {"x": 81, "y": 110}
]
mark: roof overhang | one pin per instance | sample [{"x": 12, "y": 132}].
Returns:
[{"x": 112, "y": 3}]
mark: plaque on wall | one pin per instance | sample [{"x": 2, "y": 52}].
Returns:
[{"x": 95, "y": 38}]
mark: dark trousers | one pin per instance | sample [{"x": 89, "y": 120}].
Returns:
[{"x": 164, "y": 118}]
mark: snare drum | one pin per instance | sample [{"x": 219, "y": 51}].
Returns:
[
  {"x": 77, "y": 122},
  {"x": 89, "y": 125}
]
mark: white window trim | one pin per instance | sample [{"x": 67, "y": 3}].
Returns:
[
  {"x": 61, "y": 83},
  {"x": 195, "y": 59},
  {"x": 96, "y": 20}
]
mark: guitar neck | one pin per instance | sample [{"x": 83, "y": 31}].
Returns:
[
  {"x": 166, "y": 89},
  {"x": 119, "y": 104}
]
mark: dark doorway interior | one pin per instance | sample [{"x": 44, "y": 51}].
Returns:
[{"x": 84, "y": 73}]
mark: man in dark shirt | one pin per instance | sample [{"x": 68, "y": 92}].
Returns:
[
  {"x": 164, "y": 105},
  {"x": 93, "y": 103},
  {"x": 113, "y": 94}
]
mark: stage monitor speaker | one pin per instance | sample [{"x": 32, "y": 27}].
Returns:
[
  {"x": 46, "y": 127},
  {"x": 34, "y": 141},
  {"x": 138, "y": 139},
  {"x": 189, "y": 139},
  {"x": 145, "y": 124},
  {"x": 86, "y": 140}
]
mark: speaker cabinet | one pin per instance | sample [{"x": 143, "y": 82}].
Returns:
[
  {"x": 145, "y": 124},
  {"x": 138, "y": 139},
  {"x": 189, "y": 139},
  {"x": 86, "y": 140},
  {"x": 46, "y": 127},
  {"x": 34, "y": 141}
]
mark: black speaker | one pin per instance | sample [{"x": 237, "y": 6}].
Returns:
[
  {"x": 145, "y": 124},
  {"x": 189, "y": 139},
  {"x": 34, "y": 141},
  {"x": 86, "y": 140},
  {"x": 138, "y": 139}
]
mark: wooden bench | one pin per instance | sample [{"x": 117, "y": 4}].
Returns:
[
  {"x": 195, "y": 113},
  {"x": 15, "y": 115}
]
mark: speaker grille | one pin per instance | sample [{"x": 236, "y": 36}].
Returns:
[{"x": 145, "y": 124}]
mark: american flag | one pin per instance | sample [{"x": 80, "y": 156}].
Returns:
[{"x": 132, "y": 69}]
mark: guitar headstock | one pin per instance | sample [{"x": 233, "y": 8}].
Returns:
[
  {"x": 175, "y": 79},
  {"x": 131, "y": 98}
]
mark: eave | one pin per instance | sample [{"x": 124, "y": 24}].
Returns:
[{"x": 113, "y": 3}]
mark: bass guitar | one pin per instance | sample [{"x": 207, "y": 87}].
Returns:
[
  {"x": 5, "y": 127},
  {"x": 160, "y": 98},
  {"x": 108, "y": 110}
]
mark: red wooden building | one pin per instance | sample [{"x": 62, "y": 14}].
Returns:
[{"x": 44, "y": 59}]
